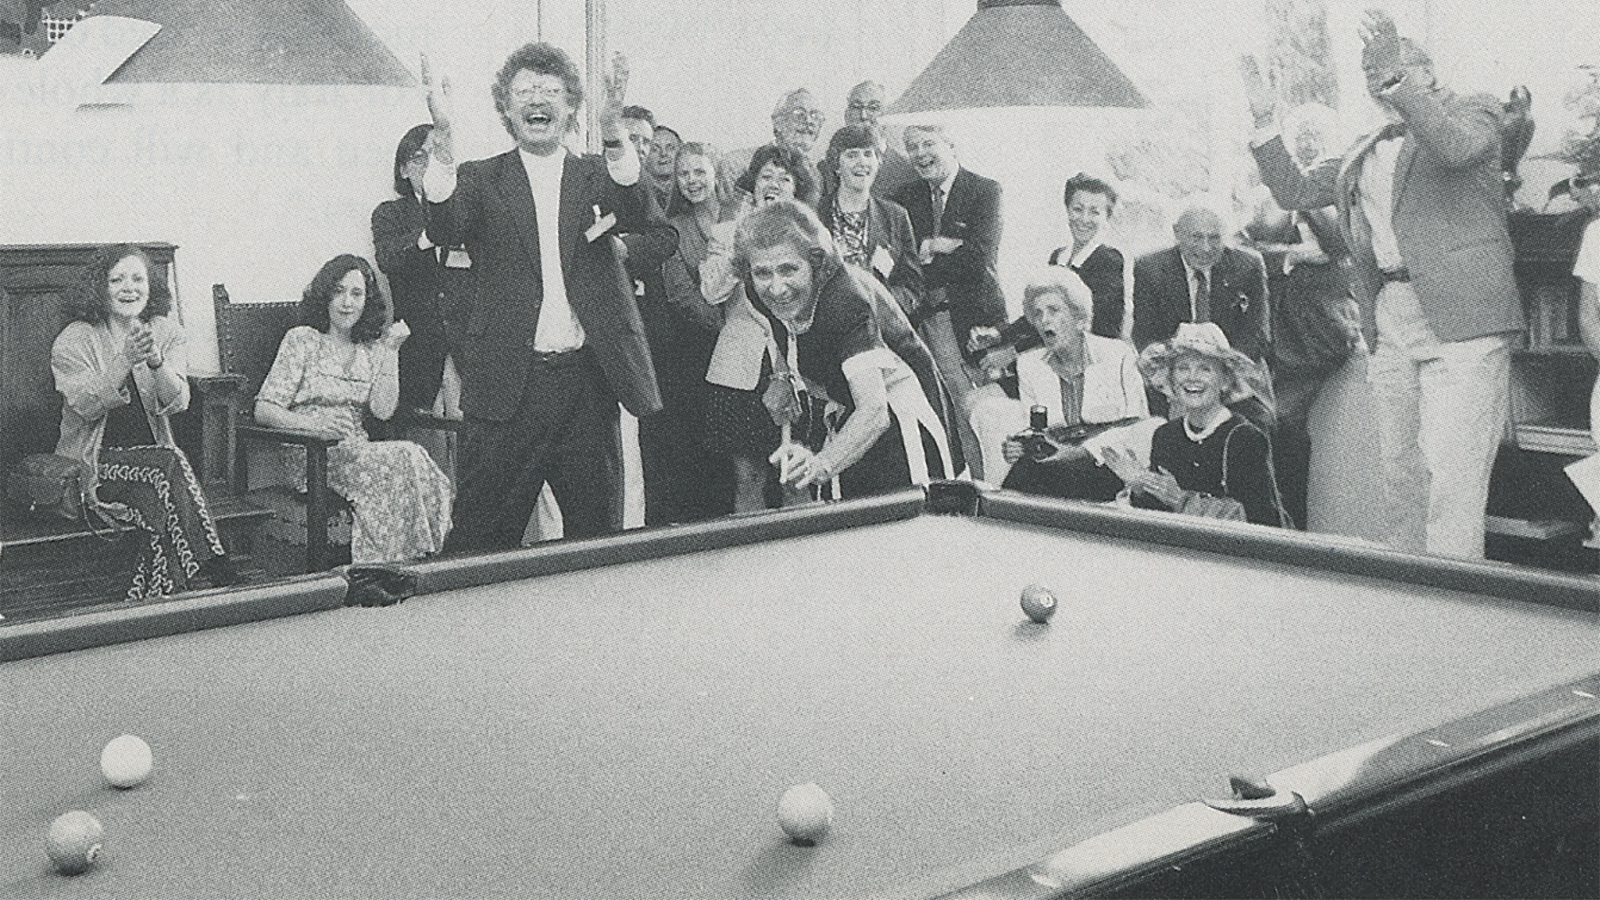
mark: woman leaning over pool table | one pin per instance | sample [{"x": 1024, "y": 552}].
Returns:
[{"x": 855, "y": 411}]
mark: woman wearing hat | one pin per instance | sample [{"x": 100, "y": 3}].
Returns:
[{"x": 1207, "y": 450}]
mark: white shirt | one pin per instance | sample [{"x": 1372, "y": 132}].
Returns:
[
  {"x": 1587, "y": 266},
  {"x": 1375, "y": 189},
  {"x": 558, "y": 327}
]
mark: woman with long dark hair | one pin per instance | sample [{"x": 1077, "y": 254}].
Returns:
[{"x": 330, "y": 372}]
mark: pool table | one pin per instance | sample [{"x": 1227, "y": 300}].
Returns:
[{"x": 617, "y": 718}]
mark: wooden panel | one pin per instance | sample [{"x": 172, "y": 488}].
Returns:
[{"x": 34, "y": 280}]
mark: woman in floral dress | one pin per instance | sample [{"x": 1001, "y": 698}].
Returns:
[{"x": 341, "y": 364}]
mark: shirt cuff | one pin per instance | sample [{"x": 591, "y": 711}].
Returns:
[
  {"x": 1264, "y": 135},
  {"x": 625, "y": 171}
]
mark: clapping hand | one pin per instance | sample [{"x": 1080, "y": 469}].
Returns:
[
  {"x": 396, "y": 334},
  {"x": 141, "y": 347},
  {"x": 1158, "y": 483}
]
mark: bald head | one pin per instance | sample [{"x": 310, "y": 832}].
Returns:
[
  {"x": 865, "y": 104},
  {"x": 1198, "y": 231}
]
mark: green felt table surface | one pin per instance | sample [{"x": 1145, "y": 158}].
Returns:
[{"x": 626, "y": 731}]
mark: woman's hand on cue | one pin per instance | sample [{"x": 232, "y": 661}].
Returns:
[{"x": 798, "y": 467}]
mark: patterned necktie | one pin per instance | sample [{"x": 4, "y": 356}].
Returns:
[
  {"x": 938, "y": 208},
  {"x": 1202, "y": 297}
]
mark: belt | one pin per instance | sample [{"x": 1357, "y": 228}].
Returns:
[
  {"x": 556, "y": 357},
  {"x": 1400, "y": 274}
]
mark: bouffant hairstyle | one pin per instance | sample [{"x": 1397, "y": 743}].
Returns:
[
  {"x": 1061, "y": 282},
  {"x": 805, "y": 183},
  {"x": 1089, "y": 184},
  {"x": 314, "y": 302},
  {"x": 540, "y": 59},
  {"x": 89, "y": 298}
]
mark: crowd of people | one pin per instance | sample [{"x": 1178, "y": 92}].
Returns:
[{"x": 813, "y": 319}]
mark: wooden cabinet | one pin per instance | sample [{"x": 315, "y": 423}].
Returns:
[{"x": 1551, "y": 379}]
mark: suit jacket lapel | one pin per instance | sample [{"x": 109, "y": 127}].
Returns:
[
  {"x": 512, "y": 182},
  {"x": 574, "y": 219}
]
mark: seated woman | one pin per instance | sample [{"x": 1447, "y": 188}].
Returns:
[
  {"x": 121, "y": 371},
  {"x": 1207, "y": 451},
  {"x": 1090, "y": 389},
  {"x": 850, "y": 408},
  {"x": 330, "y": 371}
]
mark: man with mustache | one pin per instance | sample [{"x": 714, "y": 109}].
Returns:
[
  {"x": 550, "y": 337},
  {"x": 797, "y": 123}
]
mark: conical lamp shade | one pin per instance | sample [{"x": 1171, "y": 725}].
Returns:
[
  {"x": 255, "y": 41},
  {"x": 1019, "y": 53}
]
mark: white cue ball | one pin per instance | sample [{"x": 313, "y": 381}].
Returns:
[
  {"x": 74, "y": 841},
  {"x": 126, "y": 761},
  {"x": 805, "y": 813}
]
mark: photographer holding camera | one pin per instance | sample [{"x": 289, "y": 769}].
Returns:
[{"x": 1085, "y": 394}]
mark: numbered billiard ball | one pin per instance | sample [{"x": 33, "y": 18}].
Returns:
[
  {"x": 1038, "y": 603},
  {"x": 74, "y": 841},
  {"x": 805, "y": 813}
]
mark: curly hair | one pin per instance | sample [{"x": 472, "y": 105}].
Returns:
[
  {"x": 89, "y": 298},
  {"x": 784, "y": 222},
  {"x": 850, "y": 137},
  {"x": 319, "y": 293},
  {"x": 540, "y": 59},
  {"x": 805, "y": 183}
]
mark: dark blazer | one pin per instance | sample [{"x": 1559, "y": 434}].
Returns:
[
  {"x": 968, "y": 276},
  {"x": 492, "y": 213},
  {"x": 418, "y": 289},
  {"x": 1238, "y": 299},
  {"x": 1102, "y": 272},
  {"x": 1449, "y": 212},
  {"x": 889, "y": 228}
]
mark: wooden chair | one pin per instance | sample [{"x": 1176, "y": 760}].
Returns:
[{"x": 248, "y": 335}]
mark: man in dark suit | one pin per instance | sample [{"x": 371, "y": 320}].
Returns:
[
  {"x": 1422, "y": 208},
  {"x": 550, "y": 338},
  {"x": 1201, "y": 280},
  {"x": 955, "y": 215}
]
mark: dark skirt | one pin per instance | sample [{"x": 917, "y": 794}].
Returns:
[{"x": 165, "y": 502}]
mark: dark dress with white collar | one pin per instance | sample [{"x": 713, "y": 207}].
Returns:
[{"x": 1199, "y": 465}]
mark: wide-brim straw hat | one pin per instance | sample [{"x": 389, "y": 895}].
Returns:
[{"x": 1201, "y": 339}]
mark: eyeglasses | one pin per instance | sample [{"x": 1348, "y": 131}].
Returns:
[
  {"x": 803, "y": 116},
  {"x": 528, "y": 95},
  {"x": 417, "y": 157}
]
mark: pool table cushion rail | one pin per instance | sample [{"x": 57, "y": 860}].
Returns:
[
  {"x": 123, "y": 622},
  {"x": 1340, "y": 790}
]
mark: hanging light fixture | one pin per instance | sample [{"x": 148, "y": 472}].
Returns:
[{"x": 1019, "y": 53}]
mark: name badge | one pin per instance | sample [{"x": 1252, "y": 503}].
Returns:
[
  {"x": 882, "y": 261},
  {"x": 602, "y": 224},
  {"x": 457, "y": 258}
]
